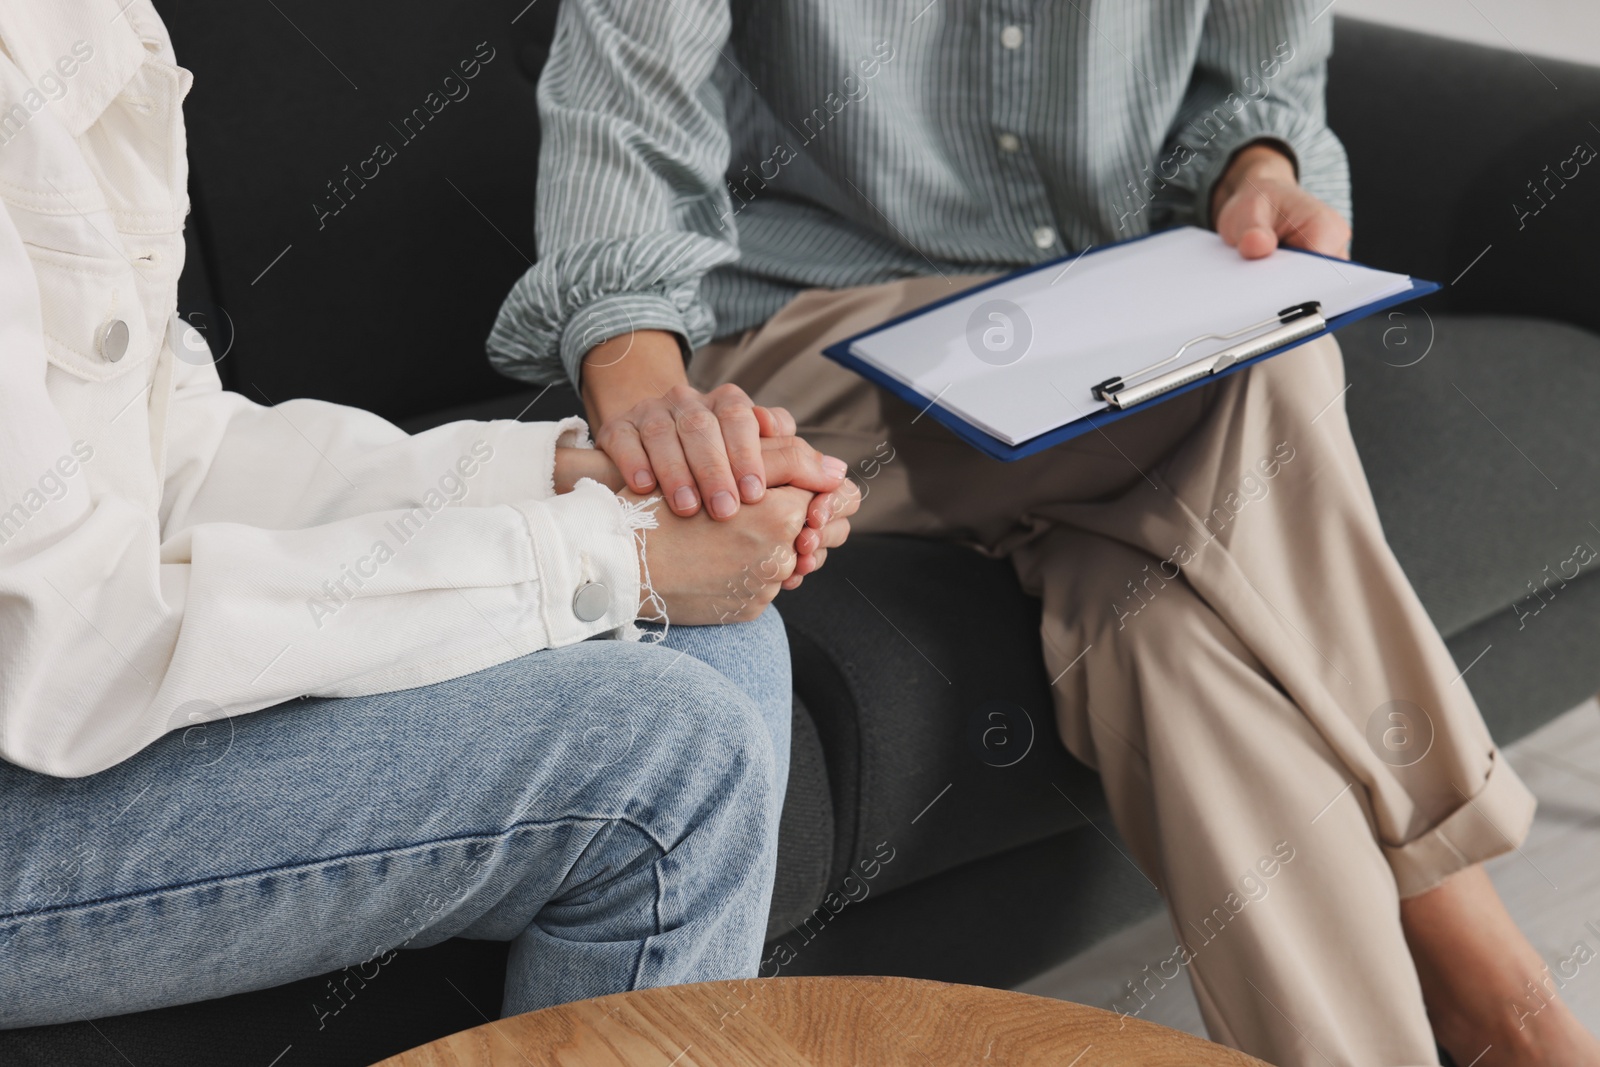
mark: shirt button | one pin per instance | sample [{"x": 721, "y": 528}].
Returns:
[
  {"x": 1009, "y": 142},
  {"x": 1044, "y": 236},
  {"x": 114, "y": 340},
  {"x": 590, "y": 602},
  {"x": 1011, "y": 37}
]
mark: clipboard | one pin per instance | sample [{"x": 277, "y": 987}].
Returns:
[{"x": 1291, "y": 327}]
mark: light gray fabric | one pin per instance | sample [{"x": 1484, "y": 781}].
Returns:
[
  {"x": 805, "y": 831},
  {"x": 876, "y": 139},
  {"x": 1482, "y": 457},
  {"x": 1480, "y": 442},
  {"x": 1522, "y": 677}
]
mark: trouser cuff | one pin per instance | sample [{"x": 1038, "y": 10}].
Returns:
[{"x": 1494, "y": 821}]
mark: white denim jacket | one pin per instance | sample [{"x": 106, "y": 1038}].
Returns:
[{"x": 171, "y": 553}]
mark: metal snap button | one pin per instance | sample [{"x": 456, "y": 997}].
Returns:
[
  {"x": 114, "y": 340},
  {"x": 591, "y": 601}
]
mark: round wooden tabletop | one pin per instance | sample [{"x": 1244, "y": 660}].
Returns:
[{"x": 819, "y": 1022}]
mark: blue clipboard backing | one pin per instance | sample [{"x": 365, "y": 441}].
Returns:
[{"x": 998, "y": 449}]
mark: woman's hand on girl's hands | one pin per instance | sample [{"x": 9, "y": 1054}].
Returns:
[
  {"x": 709, "y": 571},
  {"x": 788, "y": 461}
]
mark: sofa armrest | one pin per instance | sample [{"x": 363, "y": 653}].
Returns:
[
  {"x": 1448, "y": 142},
  {"x": 920, "y": 664}
]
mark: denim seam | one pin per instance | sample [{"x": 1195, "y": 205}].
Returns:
[
  {"x": 21, "y": 916},
  {"x": 644, "y": 943}
]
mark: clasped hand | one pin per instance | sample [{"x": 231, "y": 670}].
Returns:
[{"x": 710, "y": 571}]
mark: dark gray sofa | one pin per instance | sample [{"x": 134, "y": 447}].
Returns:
[{"x": 1474, "y": 413}]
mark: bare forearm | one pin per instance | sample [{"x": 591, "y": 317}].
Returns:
[
  {"x": 619, "y": 373},
  {"x": 573, "y": 464},
  {"x": 694, "y": 449}
]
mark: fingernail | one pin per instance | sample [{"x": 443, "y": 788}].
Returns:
[
  {"x": 723, "y": 504},
  {"x": 752, "y": 487},
  {"x": 835, "y": 466},
  {"x": 642, "y": 480},
  {"x": 683, "y": 499}
]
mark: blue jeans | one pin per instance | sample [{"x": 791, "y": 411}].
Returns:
[{"x": 609, "y": 808}]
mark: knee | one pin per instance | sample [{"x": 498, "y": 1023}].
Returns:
[
  {"x": 732, "y": 732},
  {"x": 759, "y": 665},
  {"x": 1138, "y": 606},
  {"x": 1303, "y": 383},
  {"x": 766, "y": 633},
  {"x": 753, "y": 654},
  {"x": 713, "y": 740},
  {"x": 729, "y": 770}
]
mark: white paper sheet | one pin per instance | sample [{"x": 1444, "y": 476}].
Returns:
[{"x": 1018, "y": 359}]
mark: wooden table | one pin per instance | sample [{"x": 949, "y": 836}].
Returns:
[{"x": 819, "y": 1022}]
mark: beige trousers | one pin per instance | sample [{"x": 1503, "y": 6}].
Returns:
[{"x": 1285, "y": 742}]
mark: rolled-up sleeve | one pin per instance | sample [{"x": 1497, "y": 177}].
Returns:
[
  {"x": 632, "y": 211},
  {"x": 1260, "y": 73}
]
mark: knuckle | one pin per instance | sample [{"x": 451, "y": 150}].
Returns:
[
  {"x": 740, "y": 415},
  {"x": 656, "y": 425},
  {"x": 796, "y": 451},
  {"x": 628, "y": 445},
  {"x": 699, "y": 421}
]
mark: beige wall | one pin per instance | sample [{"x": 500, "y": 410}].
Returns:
[{"x": 1566, "y": 29}]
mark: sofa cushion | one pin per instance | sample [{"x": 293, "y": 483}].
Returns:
[
  {"x": 1447, "y": 142},
  {"x": 920, "y": 663},
  {"x": 342, "y": 274},
  {"x": 1480, "y": 442}
]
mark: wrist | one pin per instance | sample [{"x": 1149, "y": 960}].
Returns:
[
  {"x": 573, "y": 464},
  {"x": 652, "y": 608},
  {"x": 1257, "y": 162},
  {"x": 620, "y": 372}
]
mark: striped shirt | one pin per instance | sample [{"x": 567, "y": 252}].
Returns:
[{"x": 704, "y": 160}]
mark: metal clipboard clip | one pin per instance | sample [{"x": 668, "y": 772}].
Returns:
[{"x": 1290, "y": 324}]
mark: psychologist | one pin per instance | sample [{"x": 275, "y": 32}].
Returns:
[{"x": 747, "y": 181}]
